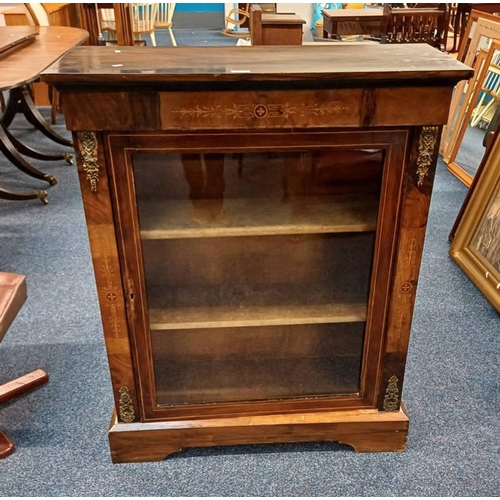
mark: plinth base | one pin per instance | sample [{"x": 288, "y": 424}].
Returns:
[{"x": 364, "y": 430}]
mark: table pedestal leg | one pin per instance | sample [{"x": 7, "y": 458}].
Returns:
[
  {"x": 20, "y": 101},
  {"x": 34, "y": 153},
  {"x": 17, "y": 160},
  {"x": 11, "y": 195}
]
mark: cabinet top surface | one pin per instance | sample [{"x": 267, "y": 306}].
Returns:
[{"x": 362, "y": 62}]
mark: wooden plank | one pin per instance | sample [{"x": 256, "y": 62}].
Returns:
[
  {"x": 104, "y": 249},
  {"x": 227, "y": 316},
  {"x": 22, "y": 384},
  {"x": 258, "y": 216},
  {"x": 364, "y": 430}
]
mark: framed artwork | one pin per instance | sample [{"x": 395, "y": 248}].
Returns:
[{"x": 476, "y": 246}]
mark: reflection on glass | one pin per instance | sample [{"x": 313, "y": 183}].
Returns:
[{"x": 257, "y": 271}]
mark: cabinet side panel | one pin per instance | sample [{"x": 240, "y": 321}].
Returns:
[
  {"x": 92, "y": 172},
  {"x": 417, "y": 190}
]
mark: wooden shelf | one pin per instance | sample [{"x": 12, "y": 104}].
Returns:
[
  {"x": 192, "y": 381},
  {"x": 248, "y": 217},
  {"x": 228, "y": 316}
]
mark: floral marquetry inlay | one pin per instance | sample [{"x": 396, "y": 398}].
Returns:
[
  {"x": 111, "y": 294},
  {"x": 262, "y": 110}
]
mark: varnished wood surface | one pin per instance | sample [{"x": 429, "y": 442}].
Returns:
[
  {"x": 364, "y": 430},
  {"x": 15, "y": 37},
  {"x": 26, "y": 64},
  {"x": 22, "y": 384},
  {"x": 212, "y": 109},
  {"x": 227, "y": 316},
  {"x": 282, "y": 19},
  {"x": 6, "y": 446},
  {"x": 339, "y": 15},
  {"x": 146, "y": 93},
  {"x": 13, "y": 294},
  {"x": 304, "y": 215},
  {"x": 338, "y": 63},
  {"x": 110, "y": 292}
]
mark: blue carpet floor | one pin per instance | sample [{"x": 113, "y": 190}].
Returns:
[{"x": 451, "y": 387}]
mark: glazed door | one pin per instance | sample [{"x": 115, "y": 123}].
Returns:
[{"x": 259, "y": 267}]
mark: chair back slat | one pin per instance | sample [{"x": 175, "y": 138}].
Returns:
[
  {"x": 164, "y": 15},
  {"x": 427, "y": 25}
]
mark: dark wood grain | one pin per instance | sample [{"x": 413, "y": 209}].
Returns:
[
  {"x": 363, "y": 64},
  {"x": 110, "y": 290},
  {"x": 204, "y": 319},
  {"x": 16, "y": 37},
  {"x": 26, "y": 65},
  {"x": 152, "y": 110},
  {"x": 152, "y": 442},
  {"x": 274, "y": 29},
  {"x": 352, "y": 22}
]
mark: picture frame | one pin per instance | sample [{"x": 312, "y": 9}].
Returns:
[
  {"x": 477, "y": 86},
  {"x": 485, "y": 29},
  {"x": 476, "y": 246},
  {"x": 465, "y": 39}
]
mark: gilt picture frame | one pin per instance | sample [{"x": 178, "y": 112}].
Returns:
[{"x": 476, "y": 246}]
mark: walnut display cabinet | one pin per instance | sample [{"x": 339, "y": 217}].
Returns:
[{"x": 256, "y": 218}]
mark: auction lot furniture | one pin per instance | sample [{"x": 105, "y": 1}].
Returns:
[
  {"x": 352, "y": 22},
  {"x": 256, "y": 219},
  {"x": 17, "y": 70},
  {"x": 275, "y": 29},
  {"x": 12, "y": 297}
]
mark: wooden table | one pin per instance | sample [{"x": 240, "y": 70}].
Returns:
[
  {"x": 17, "y": 70},
  {"x": 351, "y": 22}
]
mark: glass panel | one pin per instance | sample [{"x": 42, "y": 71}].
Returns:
[
  {"x": 256, "y": 363},
  {"x": 262, "y": 261}
]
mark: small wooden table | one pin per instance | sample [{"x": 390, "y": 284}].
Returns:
[
  {"x": 351, "y": 22},
  {"x": 17, "y": 70}
]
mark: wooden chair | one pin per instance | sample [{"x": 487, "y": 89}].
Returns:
[
  {"x": 416, "y": 25},
  {"x": 164, "y": 18},
  {"x": 12, "y": 297},
  {"x": 143, "y": 18},
  {"x": 37, "y": 13},
  {"x": 38, "y": 16},
  {"x": 143, "y": 21},
  {"x": 235, "y": 21},
  {"x": 107, "y": 22}
]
